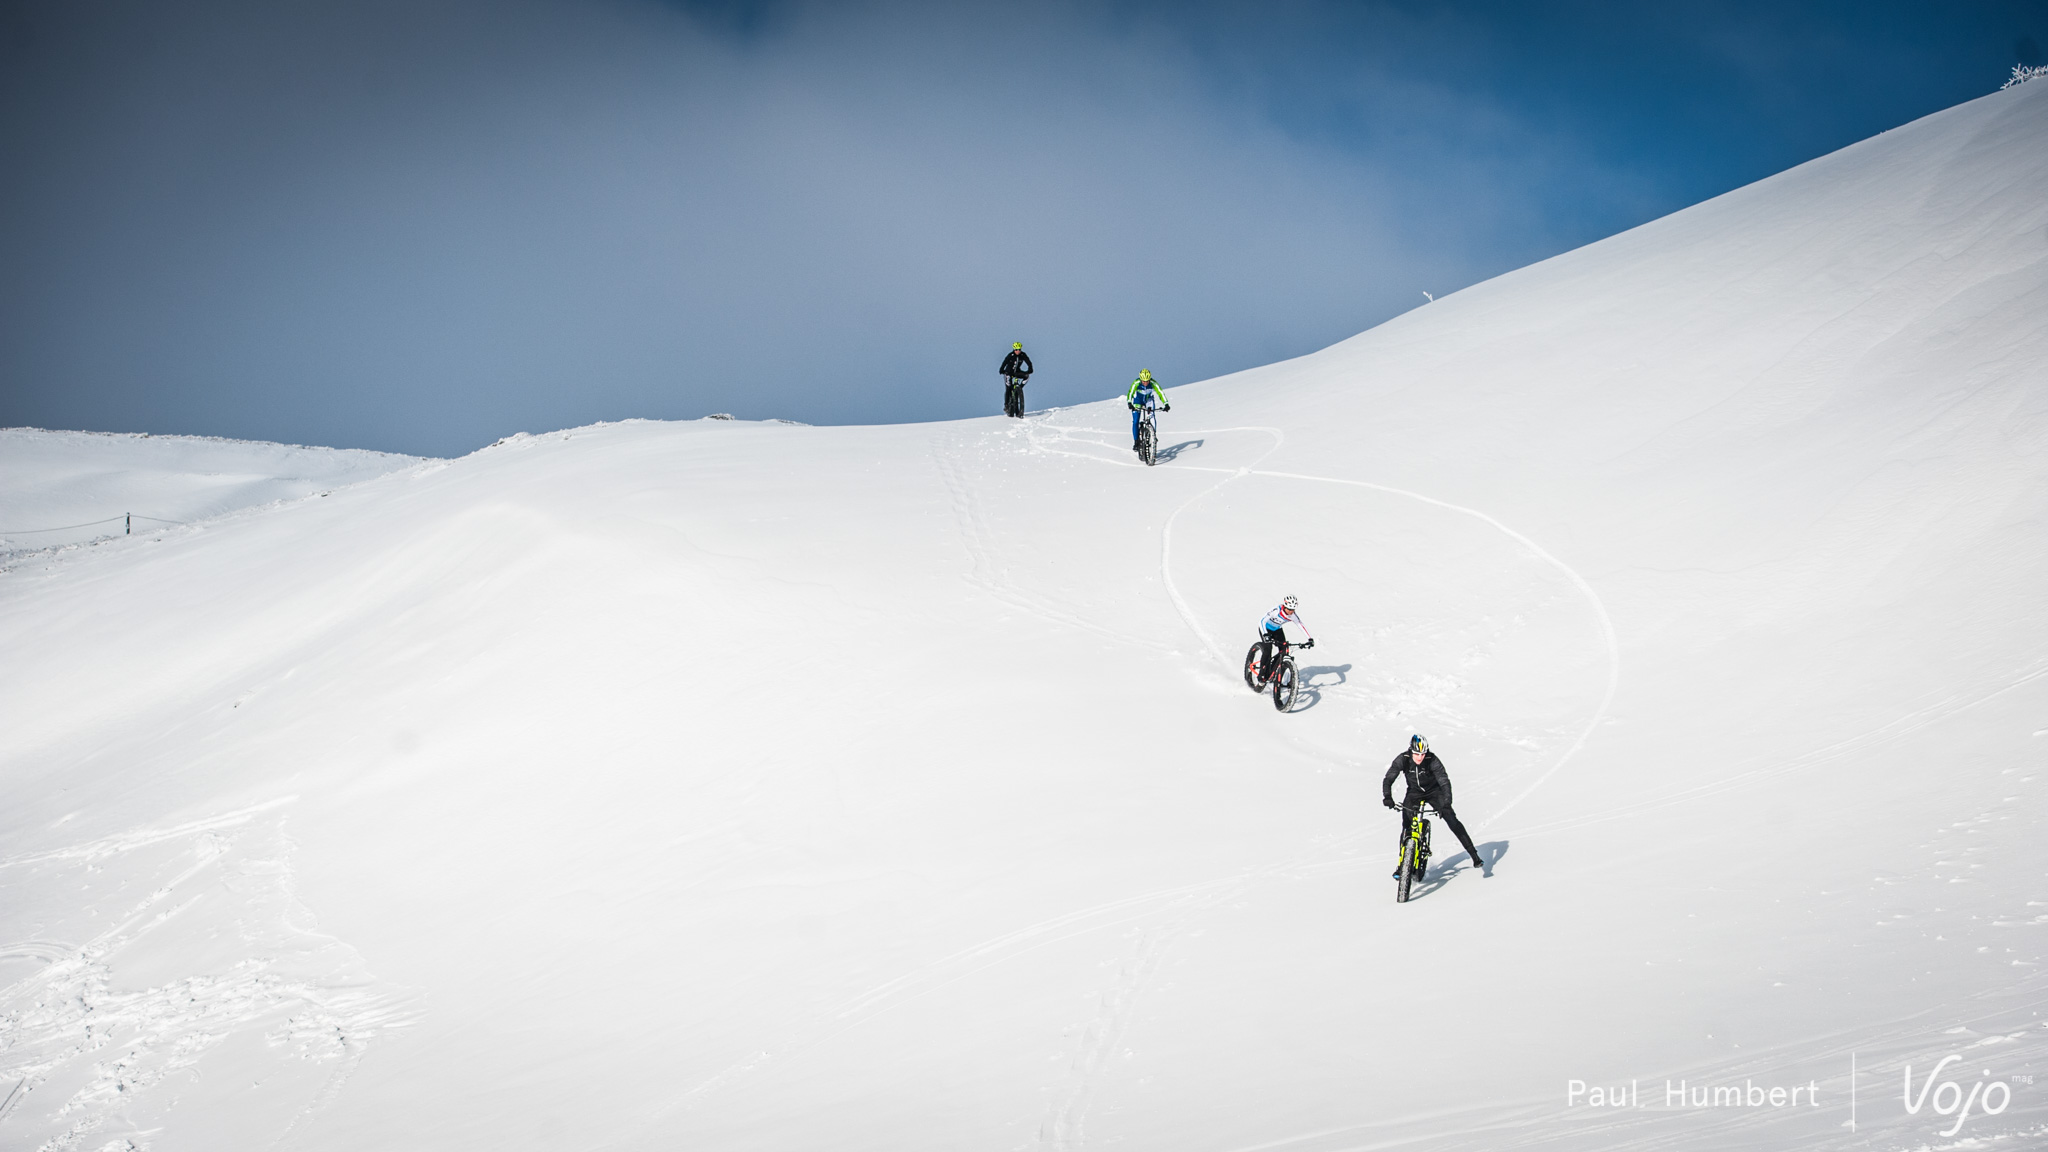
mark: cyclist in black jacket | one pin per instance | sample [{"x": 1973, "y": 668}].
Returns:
[
  {"x": 1428, "y": 781},
  {"x": 1016, "y": 370}
]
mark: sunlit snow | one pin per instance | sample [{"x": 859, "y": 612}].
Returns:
[{"x": 729, "y": 785}]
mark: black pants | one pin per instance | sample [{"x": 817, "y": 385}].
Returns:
[
  {"x": 1013, "y": 397},
  {"x": 1450, "y": 818},
  {"x": 1276, "y": 646}
]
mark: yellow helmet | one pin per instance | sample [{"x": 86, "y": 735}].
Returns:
[
  {"x": 1017, "y": 344},
  {"x": 1144, "y": 373}
]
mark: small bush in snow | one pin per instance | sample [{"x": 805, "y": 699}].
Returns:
[{"x": 2021, "y": 73}]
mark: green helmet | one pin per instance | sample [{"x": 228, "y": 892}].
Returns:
[
  {"x": 1017, "y": 345},
  {"x": 1144, "y": 373}
]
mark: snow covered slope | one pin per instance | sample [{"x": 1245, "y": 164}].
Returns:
[
  {"x": 59, "y": 488},
  {"x": 743, "y": 786}
]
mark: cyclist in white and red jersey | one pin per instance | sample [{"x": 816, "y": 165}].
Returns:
[{"x": 1273, "y": 632}]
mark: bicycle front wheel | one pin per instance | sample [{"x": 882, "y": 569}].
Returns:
[
  {"x": 1283, "y": 685},
  {"x": 1407, "y": 880}
]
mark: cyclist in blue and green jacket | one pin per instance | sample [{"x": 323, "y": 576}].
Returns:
[{"x": 1145, "y": 393}]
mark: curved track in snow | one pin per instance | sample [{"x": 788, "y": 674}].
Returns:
[
  {"x": 1607, "y": 633},
  {"x": 1062, "y": 1128},
  {"x": 1162, "y": 917}
]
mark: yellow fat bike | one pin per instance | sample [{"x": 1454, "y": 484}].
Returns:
[{"x": 1414, "y": 852}]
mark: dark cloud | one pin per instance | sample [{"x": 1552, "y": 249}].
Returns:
[{"x": 420, "y": 226}]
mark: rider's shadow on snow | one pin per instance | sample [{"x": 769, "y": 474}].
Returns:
[
  {"x": 1440, "y": 874},
  {"x": 1308, "y": 693},
  {"x": 1165, "y": 454}
]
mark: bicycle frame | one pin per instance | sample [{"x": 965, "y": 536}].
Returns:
[
  {"x": 1282, "y": 650},
  {"x": 1269, "y": 666},
  {"x": 1414, "y": 852},
  {"x": 1259, "y": 668}
]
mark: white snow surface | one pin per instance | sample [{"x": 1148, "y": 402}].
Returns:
[
  {"x": 724, "y": 785},
  {"x": 64, "y": 488}
]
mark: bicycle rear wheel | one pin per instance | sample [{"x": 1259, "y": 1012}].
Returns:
[{"x": 1283, "y": 684}]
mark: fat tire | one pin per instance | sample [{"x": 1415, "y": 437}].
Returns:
[
  {"x": 1407, "y": 881},
  {"x": 1147, "y": 446},
  {"x": 1284, "y": 685},
  {"x": 1251, "y": 667}
]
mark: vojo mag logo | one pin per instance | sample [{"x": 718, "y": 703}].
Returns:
[
  {"x": 1946, "y": 1097},
  {"x": 1941, "y": 1093}
]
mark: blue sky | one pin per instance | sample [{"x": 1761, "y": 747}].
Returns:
[{"x": 421, "y": 226}]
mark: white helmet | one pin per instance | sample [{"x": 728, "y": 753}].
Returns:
[{"x": 1290, "y": 603}]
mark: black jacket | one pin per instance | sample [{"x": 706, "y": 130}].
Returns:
[
  {"x": 1017, "y": 364},
  {"x": 1426, "y": 781}
]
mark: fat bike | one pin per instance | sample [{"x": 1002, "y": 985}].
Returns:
[
  {"x": 1148, "y": 434},
  {"x": 1414, "y": 860},
  {"x": 1265, "y": 671}
]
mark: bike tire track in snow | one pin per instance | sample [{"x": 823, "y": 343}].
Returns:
[
  {"x": 951, "y": 969},
  {"x": 1000, "y": 949},
  {"x": 121, "y": 842},
  {"x": 1180, "y": 603},
  {"x": 1948, "y": 707},
  {"x": 1063, "y": 1127},
  {"x": 1182, "y": 906},
  {"x": 1173, "y": 593},
  {"x": 1527, "y": 1120},
  {"x": 992, "y": 574},
  {"x": 306, "y": 991},
  {"x": 1608, "y": 635}
]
